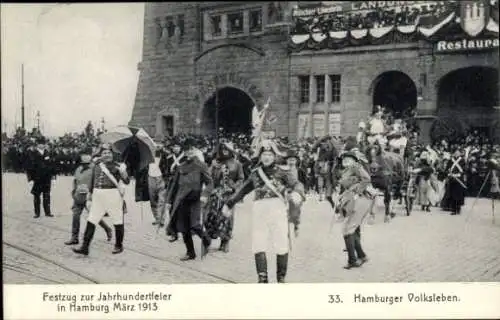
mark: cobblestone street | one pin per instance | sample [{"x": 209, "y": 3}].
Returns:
[{"x": 422, "y": 247}]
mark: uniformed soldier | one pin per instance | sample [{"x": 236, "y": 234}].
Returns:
[
  {"x": 79, "y": 193},
  {"x": 272, "y": 185},
  {"x": 106, "y": 195}
]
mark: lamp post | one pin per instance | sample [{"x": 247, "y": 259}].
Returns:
[{"x": 216, "y": 117}]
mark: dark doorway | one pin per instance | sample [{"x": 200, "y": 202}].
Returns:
[
  {"x": 168, "y": 126},
  {"x": 233, "y": 111},
  {"x": 396, "y": 92},
  {"x": 473, "y": 87},
  {"x": 471, "y": 94}
]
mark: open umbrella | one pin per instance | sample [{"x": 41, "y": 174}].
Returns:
[{"x": 135, "y": 145}]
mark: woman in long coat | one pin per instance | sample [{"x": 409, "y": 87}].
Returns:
[{"x": 184, "y": 198}]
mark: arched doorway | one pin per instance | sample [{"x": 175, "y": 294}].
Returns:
[
  {"x": 233, "y": 112},
  {"x": 396, "y": 92},
  {"x": 471, "y": 95}
]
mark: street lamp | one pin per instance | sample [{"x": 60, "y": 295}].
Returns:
[{"x": 216, "y": 116}]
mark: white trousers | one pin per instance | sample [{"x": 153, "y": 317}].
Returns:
[
  {"x": 270, "y": 223},
  {"x": 106, "y": 200}
]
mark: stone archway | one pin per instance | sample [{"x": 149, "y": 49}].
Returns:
[
  {"x": 229, "y": 108},
  {"x": 395, "y": 91},
  {"x": 471, "y": 95}
]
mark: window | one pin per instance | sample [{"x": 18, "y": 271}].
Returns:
[
  {"x": 275, "y": 12},
  {"x": 255, "y": 20},
  {"x": 170, "y": 26},
  {"x": 304, "y": 89},
  {"x": 335, "y": 82},
  {"x": 235, "y": 22},
  {"x": 216, "y": 25},
  {"x": 320, "y": 88},
  {"x": 180, "y": 23}
]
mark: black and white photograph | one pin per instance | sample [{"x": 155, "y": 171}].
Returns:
[{"x": 271, "y": 142}]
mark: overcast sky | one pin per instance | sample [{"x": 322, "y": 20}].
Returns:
[{"x": 80, "y": 63}]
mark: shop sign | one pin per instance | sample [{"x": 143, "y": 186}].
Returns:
[
  {"x": 351, "y": 6},
  {"x": 465, "y": 45}
]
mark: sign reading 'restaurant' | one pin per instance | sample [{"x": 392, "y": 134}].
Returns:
[{"x": 466, "y": 45}]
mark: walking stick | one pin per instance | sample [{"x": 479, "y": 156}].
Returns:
[{"x": 479, "y": 193}]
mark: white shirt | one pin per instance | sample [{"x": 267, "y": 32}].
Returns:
[
  {"x": 154, "y": 168},
  {"x": 376, "y": 126}
]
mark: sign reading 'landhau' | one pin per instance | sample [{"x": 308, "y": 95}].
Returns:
[{"x": 383, "y": 22}]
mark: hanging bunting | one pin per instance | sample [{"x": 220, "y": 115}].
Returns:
[{"x": 374, "y": 22}]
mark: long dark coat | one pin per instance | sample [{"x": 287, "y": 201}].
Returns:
[
  {"x": 141, "y": 185},
  {"x": 40, "y": 170},
  {"x": 184, "y": 193}
]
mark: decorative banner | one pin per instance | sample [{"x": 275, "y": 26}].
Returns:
[
  {"x": 334, "y": 124},
  {"x": 318, "y": 124},
  {"x": 384, "y": 22},
  {"x": 302, "y": 127}
]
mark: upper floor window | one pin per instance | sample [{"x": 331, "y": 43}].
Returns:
[
  {"x": 170, "y": 26},
  {"x": 320, "y": 88},
  {"x": 235, "y": 21},
  {"x": 275, "y": 12},
  {"x": 304, "y": 89},
  {"x": 256, "y": 20},
  {"x": 335, "y": 82},
  {"x": 216, "y": 25}
]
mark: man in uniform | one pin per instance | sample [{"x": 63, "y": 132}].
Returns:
[
  {"x": 80, "y": 192},
  {"x": 272, "y": 185}
]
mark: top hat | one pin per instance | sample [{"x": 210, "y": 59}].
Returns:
[{"x": 188, "y": 143}]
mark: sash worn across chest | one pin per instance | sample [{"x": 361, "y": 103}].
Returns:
[{"x": 269, "y": 184}]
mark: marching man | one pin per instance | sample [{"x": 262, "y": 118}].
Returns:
[
  {"x": 106, "y": 195},
  {"x": 184, "y": 197},
  {"x": 272, "y": 185}
]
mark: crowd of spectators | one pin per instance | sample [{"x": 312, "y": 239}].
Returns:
[{"x": 476, "y": 149}]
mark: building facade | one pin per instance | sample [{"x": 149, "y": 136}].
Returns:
[{"x": 322, "y": 66}]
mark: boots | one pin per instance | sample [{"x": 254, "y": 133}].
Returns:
[
  {"x": 351, "y": 252},
  {"x": 261, "y": 266},
  {"x": 224, "y": 246},
  {"x": 281, "y": 267},
  {"x": 357, "y": 247},
  {"x": 87, "y": 238},
  {"x": 120, "y": 232},
  {"x": 188, "y": 241},
  {"x": 71, "y": 241},
  {"x": 107, "y": 229}
]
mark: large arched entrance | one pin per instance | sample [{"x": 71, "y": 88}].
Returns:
[
  {"x": 470, "y": 95},
  {"x": 230, "y": 109},
  {"x": 396, "y": 92}
]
